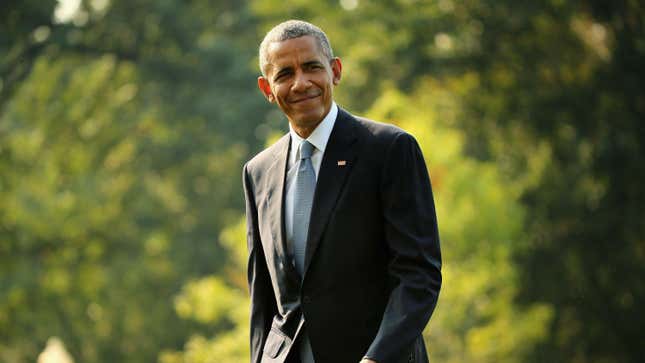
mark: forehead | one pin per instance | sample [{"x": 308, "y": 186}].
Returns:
[{"x": 300, "y": 49}]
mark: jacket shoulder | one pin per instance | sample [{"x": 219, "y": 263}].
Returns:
[
  {"x": 379, "y": 133},
  {"x": 265, "y": 158},
  {"x": 379, "y": 129},
  {"x": 382, "y": 142}
]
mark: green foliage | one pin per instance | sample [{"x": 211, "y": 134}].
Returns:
[
  {"x": 213, "y": 300},
  {"x": 118, "y": 168},
  {"x": 123, "y": 127},
  {"x": 107, "y": 213}
]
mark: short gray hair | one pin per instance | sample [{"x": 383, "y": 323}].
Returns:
[{"x": 292, "y": 29}]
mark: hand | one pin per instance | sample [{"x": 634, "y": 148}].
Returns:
[{"x": 366, "y": 360}]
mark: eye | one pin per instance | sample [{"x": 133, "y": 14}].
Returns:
[{"x": 281, "y": 75}]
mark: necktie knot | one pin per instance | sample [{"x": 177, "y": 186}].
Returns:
[{"x": 306, "y": 149}]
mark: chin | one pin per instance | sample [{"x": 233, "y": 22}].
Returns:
[
  {"x": 309, "y": 118},
  {"x": 314, "y": 120}
]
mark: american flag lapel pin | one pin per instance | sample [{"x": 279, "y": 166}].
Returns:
[{"x": 342, "y": 162}]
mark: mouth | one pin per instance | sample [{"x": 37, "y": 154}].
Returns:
[{"x": 304, "y": 99}]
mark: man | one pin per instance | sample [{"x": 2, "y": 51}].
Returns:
[{"x": 344, "y": 260}]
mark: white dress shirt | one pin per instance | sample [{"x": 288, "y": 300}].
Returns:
[{"x": 318, "y": 138}]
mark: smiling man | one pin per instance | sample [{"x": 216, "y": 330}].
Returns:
[{"x": 344, "y": 258}]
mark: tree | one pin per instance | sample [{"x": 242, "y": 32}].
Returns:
[
  {"x": 123, "y": 126},
  {"x": 120, "y": 158}
]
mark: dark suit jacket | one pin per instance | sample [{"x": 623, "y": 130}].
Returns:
[{"x": 372, "y": 264}]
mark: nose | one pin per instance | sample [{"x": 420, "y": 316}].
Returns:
[{"x": 301, "y": 82}]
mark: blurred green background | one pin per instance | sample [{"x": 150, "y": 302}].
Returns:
[{"x": 124, "y": 126}]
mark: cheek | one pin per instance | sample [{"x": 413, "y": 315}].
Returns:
[
  {"x": 280, "y": 94},
  {"x": 328, "y": 89},
  {"x": 281, "y": 100}
]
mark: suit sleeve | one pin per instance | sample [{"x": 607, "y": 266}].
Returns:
[
  {"x": 412, "y": 237},
  {"x": 263, "y": 304}
]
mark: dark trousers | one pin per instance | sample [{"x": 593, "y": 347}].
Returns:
[{"x": 294, "y": 353}]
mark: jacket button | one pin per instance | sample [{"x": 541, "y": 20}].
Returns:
[{"x": 306, "y": 299}]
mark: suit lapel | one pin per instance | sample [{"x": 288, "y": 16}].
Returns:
[
  {"x": 276, "y": 175},
  {"x": 334, "y": 169}
]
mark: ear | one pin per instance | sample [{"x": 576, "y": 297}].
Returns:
[
  {"x": 265, "y": 87},
  {"x": 337, "y": 70}
]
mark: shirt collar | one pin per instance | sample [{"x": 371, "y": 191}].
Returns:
[{"x": 320, "y": 136}]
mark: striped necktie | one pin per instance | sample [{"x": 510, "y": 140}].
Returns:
[{"x": 305, "y": 184}]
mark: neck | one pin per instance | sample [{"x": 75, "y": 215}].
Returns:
[{"x": 304, "y": 130}]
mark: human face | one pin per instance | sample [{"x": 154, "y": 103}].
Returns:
[{"x": 299, "y": 78}]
